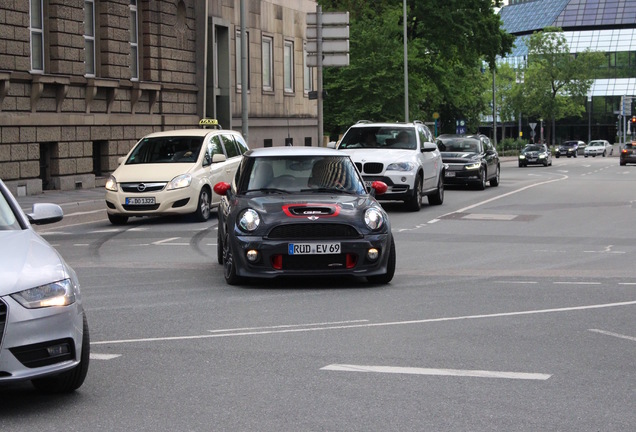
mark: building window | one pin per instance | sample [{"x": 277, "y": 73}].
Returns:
[
  {"x": 268, "y": 63},
  {"x": 308, "y": 73},
  {"x": 134, "y": 44},
  {"x": 37, "y": 36},
  {"x": 239, "y": 76},
  {"x": 288, "y": 66},
  {"x": 89, "y": 36}
]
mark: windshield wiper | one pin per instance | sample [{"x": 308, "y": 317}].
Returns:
[{"x": 268, "y": 190}]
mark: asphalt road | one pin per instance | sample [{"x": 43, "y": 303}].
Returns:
[{"x": 512, "y": 309}]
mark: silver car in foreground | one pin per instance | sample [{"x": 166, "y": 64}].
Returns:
[{"x": 43, "y": 330}]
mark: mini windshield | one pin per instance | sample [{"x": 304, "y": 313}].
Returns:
[
  {"x": 380, "y": 137},
  {"x": 8, "y": 221},
  {"x": 174, "y": 149},
  {"x": 291, "y": 174}
]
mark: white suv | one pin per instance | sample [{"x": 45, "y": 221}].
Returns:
[{"x": 402, "y": 155}]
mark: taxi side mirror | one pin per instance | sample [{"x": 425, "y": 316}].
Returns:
[{"x": 218, "y": 158}]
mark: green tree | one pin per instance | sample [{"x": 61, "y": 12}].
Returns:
[{"x": 555, "y": 81}]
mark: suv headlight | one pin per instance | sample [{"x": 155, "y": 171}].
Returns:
[
  {"x": 61, "y": 293},
  {"x": 522, "y": 156},
  {"x": 473, "y": 166},
  {"x": 373, "y": 218},
  {"x": 542, "y": 156},
  {"x": 111, "y": 184},
  {"x": 401, "y": 166},
  {"x": 180, "y": 182},
  {"x": 250, "y": 220}
]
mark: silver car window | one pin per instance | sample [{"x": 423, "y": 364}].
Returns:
[{"x": 8, "y": 220}]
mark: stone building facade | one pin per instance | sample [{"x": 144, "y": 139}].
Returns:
[{"x": 82, "y": 80}]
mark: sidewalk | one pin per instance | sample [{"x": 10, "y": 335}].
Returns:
[{"x": 63, "y": 198}]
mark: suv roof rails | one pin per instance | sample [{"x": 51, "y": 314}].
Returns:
[
  {"x": 364, "y": 121},
  {"x": 418, "y": 122}
]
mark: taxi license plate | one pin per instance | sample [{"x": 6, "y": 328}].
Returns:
[
  {"x": 313, "y": 248},
  {"x": 140, "y": 201},
  {"x": 450, "y": 174}
]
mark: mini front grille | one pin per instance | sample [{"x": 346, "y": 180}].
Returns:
[
  {"x": 141, "y": 187},
  {"x": 314, "y": 262},
  {"x": 311, "y": 231},
  {"x": 3, "y": 319},
  {"x": 373, "y": 167},
  {"x": 141, "y": 207}
]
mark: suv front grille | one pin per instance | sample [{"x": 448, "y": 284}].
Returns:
[
  {"x": 309, "y": 231},
  {"x": 373, "y": 167}
]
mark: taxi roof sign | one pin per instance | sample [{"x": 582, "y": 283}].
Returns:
[{"x": 209, "y": 123}]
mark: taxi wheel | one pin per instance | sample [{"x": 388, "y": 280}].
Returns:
[
  {"x": 71, "y": 380},
  {"x": 203, "y": 208},
  {"x": 117, "y": 219},
  {"x": 414, "y": 203},
  {"x": 229, "y": 266},
  {"x": 390, "y": 268}
]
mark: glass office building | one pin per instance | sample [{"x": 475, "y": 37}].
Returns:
[{"x": 608, "y": 26}]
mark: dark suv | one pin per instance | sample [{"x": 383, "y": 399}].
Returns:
[{"x": 569, "y": 148}]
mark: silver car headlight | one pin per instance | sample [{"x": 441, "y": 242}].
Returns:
[
  {"x": 373, "y": 218},
  {"x": 61, "y": 293},
  {"x": 250, "y": 220},
  {"x": 401, "y": 166},
  {"x": 111, "y": 184},
  {"x": 180, "y": 182},
  {"x": 473, "y": 166}
]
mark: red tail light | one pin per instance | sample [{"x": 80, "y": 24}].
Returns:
[
  {"x": 352, "y": 259},
  {"x": 277, "y": 262}
]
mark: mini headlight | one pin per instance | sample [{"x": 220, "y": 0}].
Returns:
[
  {"x": 61, "y": 293},
  {"x": 111, "y": 184},
  {"x": 401, "y": 166},
  {"x": 373, "y": 218},
  {"x": 180, "y": 182},
  {"x": 250, "y": 220},
  {"x": 473, "y": 166}
]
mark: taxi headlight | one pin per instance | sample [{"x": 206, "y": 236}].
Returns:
[
  {"x": 249, "y": 221},
  {"x": 373, "y": 218},
  {"x": 401, "y": 166},
  {"x": 61, "y": 293},
  {"x": 473, "y": 166},
  {"x": 180, "y": 182},
  {"x": 111, "y": 184}
]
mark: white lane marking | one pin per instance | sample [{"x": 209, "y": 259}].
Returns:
[
  {"x": 95, "y": 356},
  {"x": 470, "y": 207},
  {"x": 627, "y": 283},
  {"x": 81, "y": 244},
  {"x": 432, "y": 221},
  {"x": 84, "y": 213},
  {"x": 165, "y": 240},
  {"x": 516, "y": 282},
  {"x": 618, "y": 335},
  {"x": 436, "y": 372},
  {"x": 104, "y": 231},
  {"x": 287, "y": 326},
  {"x": 368, "y": 325},
  {"x": 608, "y": 249},
  {"x": 576, "y": 283},
  {"x": 487, "y": 216}
]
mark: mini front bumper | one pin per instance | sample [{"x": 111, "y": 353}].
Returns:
[
  {"x": 351, "y": 261},
  {"x": 28, "y": 327}
]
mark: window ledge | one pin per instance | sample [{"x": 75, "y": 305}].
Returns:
[{"x": 60, "y": 83}]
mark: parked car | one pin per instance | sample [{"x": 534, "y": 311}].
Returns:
[
  {"x": 44, "y": 334},
  {"x": 535, "y": 154},
  {"x": 628, "y": 153},
  {"x": 569, "y": 148},
  {"x": 469, "y": 159},
  {"x": 173, "y": 173},
  {"x": 302, "y": 212},
  {"x": 598, "y": 147},
  {"x": 402, "y": 155}
]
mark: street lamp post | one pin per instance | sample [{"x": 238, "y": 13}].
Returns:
[
  {"x": 589, "y": 119},
  {"x": 406, "y": 71}
]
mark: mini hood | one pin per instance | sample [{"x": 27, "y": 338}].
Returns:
[{"x": 27, "y": 261}]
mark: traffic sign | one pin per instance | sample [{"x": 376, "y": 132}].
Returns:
[
  {"x": 329, "y": 59},
  {"x": 328, "y": 32},
  {"x": 329, "y": 18},
  {"x": 329, "y": 46}
]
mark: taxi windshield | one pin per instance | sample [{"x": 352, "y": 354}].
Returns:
[{"x": 172, "y": 149}]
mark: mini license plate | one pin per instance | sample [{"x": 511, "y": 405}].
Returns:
[
  {"x": 450, "y": 174},
  {"x": 313, "y": 248},
  {"x": 140, "y": 201}
]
